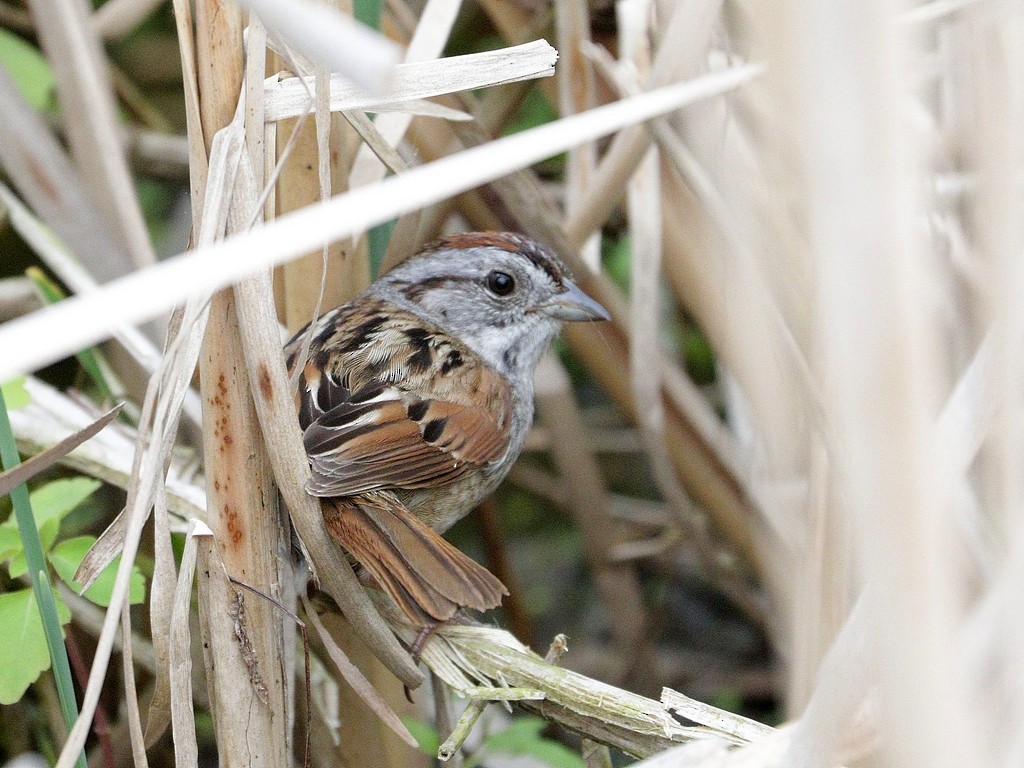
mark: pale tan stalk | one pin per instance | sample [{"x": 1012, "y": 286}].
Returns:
[
  {"x": 576, "y": 93},
  {"x": 43, "y": 173},
  {"x": 182, "y": 714},
  {"x": 117, "y": 18},
  {"x": 91, "y": 119},
  {"x": 162, "y": 588},
  {"x": 276, "y": 409},
  {"x": 245, "y": 649},
  {"x": 881, "y": 368}
]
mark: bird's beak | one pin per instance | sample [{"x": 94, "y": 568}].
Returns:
[{"x": 573, "y": 305}]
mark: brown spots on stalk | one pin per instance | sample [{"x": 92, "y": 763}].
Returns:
[
  {"x": 266, "y": 386},
  {"x": 233, "y": 524}
]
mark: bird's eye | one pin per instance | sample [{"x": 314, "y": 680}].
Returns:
[{"x": 500, "y": 283}]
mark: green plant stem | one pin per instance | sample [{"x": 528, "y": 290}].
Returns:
[
  {"x": 88, "y": 358},
  {"x": 40, "y": 578}
]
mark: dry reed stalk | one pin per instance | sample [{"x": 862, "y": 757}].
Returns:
[
  {"x": 576, "y": 93},
  {"x": 510, "y": 19},
  {"x": 179, "y": 661},
  {"x": 881, "y": 367},
  {"x": 360, "y": 737},
  {"x": 243, "y": 635},
  {"x": 882, "y": 490},
  {"x": 340, "y": 272},
  {"x": 38, "y": 166},
  {"x": 988, "y": 509},
  {"x": 91, "y": 119},
  {"x": 162, "y": 590}
]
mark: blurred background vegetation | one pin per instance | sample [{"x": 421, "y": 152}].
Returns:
[
  {"x": 807, "y": 400},
  {"x": 699, "y": 642}
]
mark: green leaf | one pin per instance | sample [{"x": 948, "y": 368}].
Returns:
[
  {"x": 10, "y": 542},
  {"x": 522, "y": 737},
  {"x": 425, "y": 734},
  {"x": 22, "y": 643},
  {"x": 52, "y": 502},
  {"x": 616, "y": 258},
  {"x": 68, "y": 555},
  {"x": 368, "y": 12},
  {"x": 28, "y": 68},
  {"x": 699, "y": 356},
  {"x": 15, "y": 394},
  {"x": 18, "y": 566}
]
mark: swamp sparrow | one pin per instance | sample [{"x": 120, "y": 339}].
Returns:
[{"x": 415, "y": 399}]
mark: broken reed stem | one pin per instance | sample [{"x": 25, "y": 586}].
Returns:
[{"x": 464, "y": 655}]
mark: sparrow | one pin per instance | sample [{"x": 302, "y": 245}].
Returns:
[{"x": 415, "y": 399}]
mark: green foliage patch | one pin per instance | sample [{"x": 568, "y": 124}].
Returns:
[{"x": 23, "y": 651}]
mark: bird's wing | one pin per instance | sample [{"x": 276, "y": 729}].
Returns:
[
  {"x": 387, "y": 401},
  {"x": 427, "y": 577}
]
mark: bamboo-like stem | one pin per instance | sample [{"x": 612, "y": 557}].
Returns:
[{"x": 244, "y": 636}]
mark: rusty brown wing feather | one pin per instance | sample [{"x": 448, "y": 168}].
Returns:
[
  {"x": 388, "y": 402},
  {"x": 397, "y": 404},
  {"x": 427, "y": 577}
]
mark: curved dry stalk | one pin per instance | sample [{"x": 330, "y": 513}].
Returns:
[
  {"x": 80, "y": 321},
  {"x": 356, "y": 680},
  {"x": 276, "y": 411}
]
